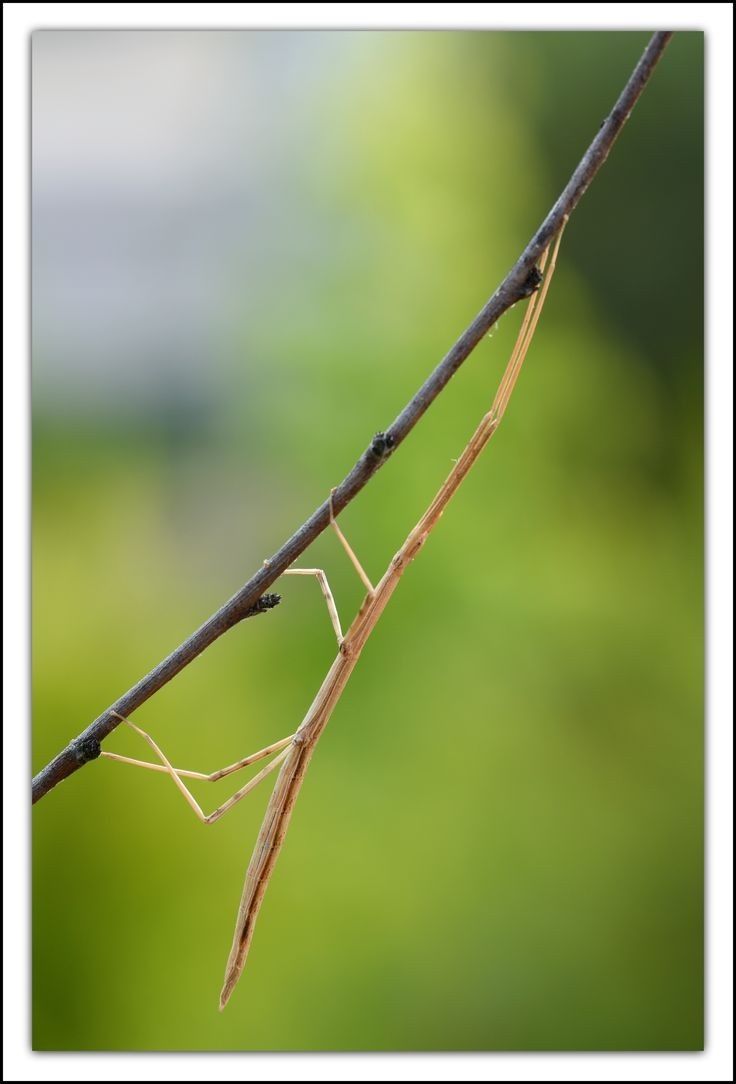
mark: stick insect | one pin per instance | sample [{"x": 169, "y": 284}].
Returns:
[{"x": 293, "y": 753}]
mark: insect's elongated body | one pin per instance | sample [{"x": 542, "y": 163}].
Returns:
[
  {"x": 295, "y": 752},
  {"x": 291, "y": 775}
]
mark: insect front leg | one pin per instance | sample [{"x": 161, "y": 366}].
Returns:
[
  {"x": 349, "y": 550},
  {"x": 321, "y": 578}
]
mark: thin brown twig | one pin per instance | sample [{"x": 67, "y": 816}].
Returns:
[{"x": 250, "y": 598}]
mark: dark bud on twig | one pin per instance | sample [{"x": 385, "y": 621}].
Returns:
[
  {"x": 265, "y": 602},
  {"x": 532, "y": 282},
  {"x": 86, "y": 750},
  {"x": 381, "y": 444}
]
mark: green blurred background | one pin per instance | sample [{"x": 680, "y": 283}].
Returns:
[{"x": 249, "y": 249}]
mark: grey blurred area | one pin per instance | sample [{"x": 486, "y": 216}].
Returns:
[{"x": 161, "y": 191}]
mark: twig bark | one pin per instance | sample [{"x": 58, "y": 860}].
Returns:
[{"x": 516, "y": 285}]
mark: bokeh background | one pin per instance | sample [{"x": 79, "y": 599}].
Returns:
[{"x": 249, "y": 248}]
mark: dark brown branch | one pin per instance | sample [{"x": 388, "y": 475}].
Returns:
[{"x": 250, "y": 598}]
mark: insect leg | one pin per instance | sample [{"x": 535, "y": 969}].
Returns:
[
  {"x": 329, "y": 598},
  {"x": 189, "y": 797},
  {"x": 349, "y": 550},
  {"x": 210, "y": 777}
]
